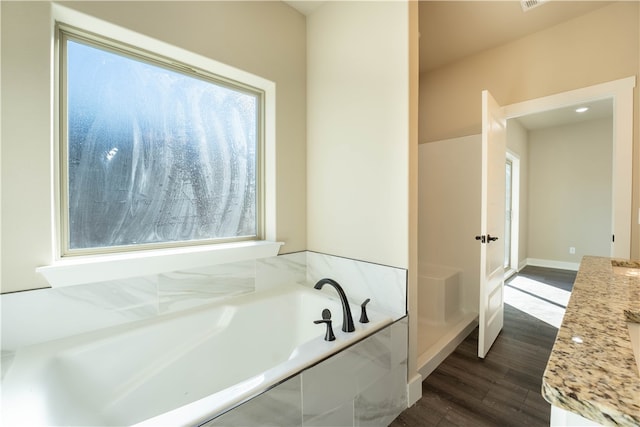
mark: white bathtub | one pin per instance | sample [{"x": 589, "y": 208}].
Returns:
[{"x": 182, "y": 369}]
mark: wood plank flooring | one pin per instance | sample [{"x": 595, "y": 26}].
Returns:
[
  {"x": 504, "y": 388},
  {"x": 562, "y": 279}
]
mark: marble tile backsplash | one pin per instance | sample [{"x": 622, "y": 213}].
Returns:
[
  {"x": 45, "y": 314},
  {"x": 181, "y": 290},
  {"x": 385, "y": 286},
  {"x": 274, "y": 271},
  {"x": 41, "y": 315}
]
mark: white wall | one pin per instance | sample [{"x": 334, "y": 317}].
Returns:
[
  {"x": 358, "y": 131},
  {"x": 449, "y": 210},
  {"x": 264, "y": 38},
  {"x": 570, "y": 191},
  {"x": 565, "y": 197}
]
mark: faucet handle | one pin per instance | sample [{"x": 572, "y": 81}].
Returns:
[
  {"x": 363, "y": 315},
  {"x": 326, "y": 318}
]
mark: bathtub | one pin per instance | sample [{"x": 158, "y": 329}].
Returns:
[{"x": 179, "y": 369}]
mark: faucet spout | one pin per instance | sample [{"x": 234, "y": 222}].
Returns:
[{"x": 347, "y": 319}]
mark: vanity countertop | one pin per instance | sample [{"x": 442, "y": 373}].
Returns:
[{"x": 592, "y": 370}]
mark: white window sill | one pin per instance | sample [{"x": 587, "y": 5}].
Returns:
[{"x": 75, "y": 271}]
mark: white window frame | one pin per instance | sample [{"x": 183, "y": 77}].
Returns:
[{"x": 90, "y": 268}]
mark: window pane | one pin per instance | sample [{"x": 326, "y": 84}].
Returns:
[
  {"x": 507, "y": 217},
  {"x": 155, "y": 155}
]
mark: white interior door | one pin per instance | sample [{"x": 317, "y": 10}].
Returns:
[{"x": 491, "y": 310}]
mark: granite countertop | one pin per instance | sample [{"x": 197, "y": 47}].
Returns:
[{"x": 591, "y": 370}]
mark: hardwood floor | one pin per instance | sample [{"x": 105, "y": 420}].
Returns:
[
  {"x": 562, "y": 279},
  {"x": 504, "y": 388}
]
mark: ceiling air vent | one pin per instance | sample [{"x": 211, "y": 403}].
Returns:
[{"x": 530, "y": 4}]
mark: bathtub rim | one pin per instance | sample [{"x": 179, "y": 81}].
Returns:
[
  {"x": 177, "y": 416},
  {"x": 38, "y": 356}
]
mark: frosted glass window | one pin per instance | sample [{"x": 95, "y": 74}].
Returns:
[{"x": 154, "y": 155}]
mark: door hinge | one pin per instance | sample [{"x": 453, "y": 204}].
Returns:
[{"x": 613, "y": 238}]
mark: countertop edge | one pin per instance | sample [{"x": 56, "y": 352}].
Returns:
[
  {"x": 598, "y": 414},
  {"x": 591, "y": 370}
]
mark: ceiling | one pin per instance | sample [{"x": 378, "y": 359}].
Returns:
[
  {"x": 306, "y": 7},
  {"x": 568, "y": 115},
  {"x": 453, "y": 29}
]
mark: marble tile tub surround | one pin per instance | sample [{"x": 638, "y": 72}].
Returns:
[
  {"x": 364, "y": 385},
  {"x": 32, "y": 317},
  {"x": 385, "y": 286},
  {"x": 591, "y": 370},
  {"x": 45, "y": 314}
]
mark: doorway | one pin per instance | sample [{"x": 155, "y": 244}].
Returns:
[
  {"x": 619, "y": 94},
  {"x": 512, "y": 214},
  {"x": 568, "y": 206}
]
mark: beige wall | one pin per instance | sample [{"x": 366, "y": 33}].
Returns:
[
  {"x": 597, "y": 47},
  {"x": 358, "y": 131},
  {"x": 264, "y": 38},
  {"x": 570, "y": 191}
]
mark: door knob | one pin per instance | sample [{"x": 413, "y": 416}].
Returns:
[
  {"x": 491, "y": 239},
  {"x": 481, "y": 238}
]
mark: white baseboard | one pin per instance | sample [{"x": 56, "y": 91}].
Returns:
[
  {"x": 548, "y": 263},
  {"x": 522, "y": 264},
  {"x": 414, "y": 390},
  {"x": 429, "y": 361},
  {"x": 510, "y": 272}
]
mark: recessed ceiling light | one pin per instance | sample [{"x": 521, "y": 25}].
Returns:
[{"x": 582, "y": 109}]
